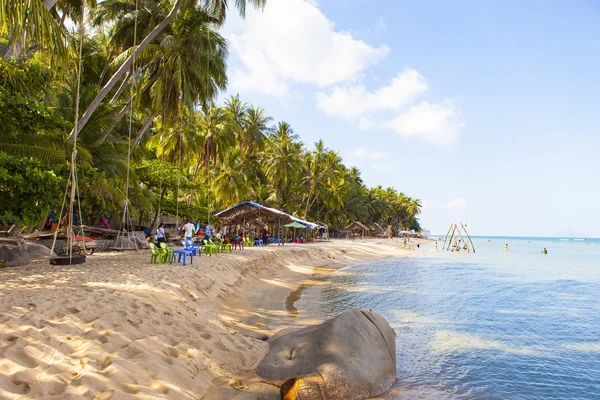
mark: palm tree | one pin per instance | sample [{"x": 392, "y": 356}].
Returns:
[
  {"x": 283, "y": 162},
  {"x": 230, "y": 181},
  {"x": 31, "y": 21},
  {"x": 257, "y": 130},
  {"x": 217, "y": 7}
]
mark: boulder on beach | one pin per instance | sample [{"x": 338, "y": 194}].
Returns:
[
  {"x": 21, "y": 253},
  {"x": 352, "y": 356}
]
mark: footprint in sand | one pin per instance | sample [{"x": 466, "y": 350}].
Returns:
[
  {"x": 205, "y": 336},
  {"x": 221, "y": 347},
  {"x": 21, "y": 387},
  {"x": 19, "y": 356}
]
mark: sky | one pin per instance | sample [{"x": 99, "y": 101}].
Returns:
[{"x": 484, "y": 110}]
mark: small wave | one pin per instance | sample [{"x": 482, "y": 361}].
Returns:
[
  {"x": 584, "y": 347},
  {"x": 448, "y": 342}
]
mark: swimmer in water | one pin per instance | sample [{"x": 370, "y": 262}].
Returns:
[{"x": 506, "y": 247}]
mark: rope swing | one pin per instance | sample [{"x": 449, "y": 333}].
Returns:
[
  {"x": 72, "y": 244},
  {"x": 126, "y": 222}
]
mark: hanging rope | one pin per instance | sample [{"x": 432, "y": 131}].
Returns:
[
  {"x": 178, "y": 183},
  {"x": 126, "y": 222},
  {"x": 73, "y": 175}
]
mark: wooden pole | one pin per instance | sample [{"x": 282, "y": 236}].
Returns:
[
  {"x": 469, "y": 237},
  {"x": 453, "y": 227},
  {"x": 448, "y": 233}
]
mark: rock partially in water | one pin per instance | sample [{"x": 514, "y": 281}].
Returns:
[
  {"x": 22, "y": 253},
  {"x": 352, "y": 356}
]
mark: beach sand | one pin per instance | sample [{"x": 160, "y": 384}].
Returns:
[{"x": 119, "y": 327}]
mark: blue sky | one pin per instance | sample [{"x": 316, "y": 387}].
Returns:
[{"x": 479, "y": 108}]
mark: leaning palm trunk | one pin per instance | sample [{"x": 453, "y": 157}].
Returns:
[
  {"x": 116, "y": 77},
  {"x": 108, "y": 130},
  {"x": 143, "y": 130}
]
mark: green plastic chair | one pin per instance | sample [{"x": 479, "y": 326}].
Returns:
[
  {"x": 248, "y": 242},
  {"x": 166, "y": 250},
  {"x": 210, "y": 248},
  {"x": 216, "y": 246},
  {"x": 158, "y": 256},
  {"x": 225, "y": 247}
]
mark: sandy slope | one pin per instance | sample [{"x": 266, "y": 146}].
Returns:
[{"x": 118, "y": 327}]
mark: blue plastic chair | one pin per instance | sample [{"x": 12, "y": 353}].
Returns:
[
  {"x": 183, "y": 253},
  {"x": 189, "y": 245}
]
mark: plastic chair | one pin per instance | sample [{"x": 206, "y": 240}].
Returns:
[
  {"x": 158, "y": 256},
  {"x": 182, "y": 253},
  {"x": 225, "y": 247},
  {"x": 189, "y": 245},
  {"x": 238, "y": 244},
  {"x": 210, "y": 248},
  {"x": 166, "y": 250},
  {"x": 248, "y": 242}
]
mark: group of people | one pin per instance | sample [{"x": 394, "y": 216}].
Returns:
[
  {"x": 544, "y": 251},
  {"x": 206, "y": 232},
  {"x": 188, "y": 230}
]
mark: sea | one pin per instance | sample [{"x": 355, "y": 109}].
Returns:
[{"x": 493, "y": 324}]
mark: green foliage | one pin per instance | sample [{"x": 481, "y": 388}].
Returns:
[
  {"x": 28, "y": 190},
  {"x": 193, "y": 212},
  {"x": 29, "y": 128},
  {"x": 191, "y": 156}
]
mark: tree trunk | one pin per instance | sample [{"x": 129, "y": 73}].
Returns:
[
  {"x": 308, "y": 201},
  {"x": 108, "y": 130},
  {"x": 105, "y": 68},
  {"x": 121, "y": 88},
  {"x": 158, "y": 210},
  {"x": 143, "y": 130},
  {"x": 125, "y": 67}
]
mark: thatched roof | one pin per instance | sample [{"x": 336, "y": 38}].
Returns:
[
  {"x": 250, "y": 212},
  {"x": 357, "y": 226},
  {"x": 375, "y": 227}
]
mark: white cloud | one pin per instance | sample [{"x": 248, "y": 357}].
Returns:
[
  {"x": 292, "y": 41},
  {"x": 435, "y": 123},
  {"x": 353, "y": 101},
  {"x": 457, "y": 204},
  {"x": 370, "y": 154}
]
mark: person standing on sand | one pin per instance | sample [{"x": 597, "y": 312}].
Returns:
[
  {"x": 506, "y": 247},
  {"x": 388, "y": 232},
  {"x": 188, "y": 229},
  {"x": 160, "y": 234},
  {"x": 208, "y": 231},
  {"x": 545, "y": 251}
]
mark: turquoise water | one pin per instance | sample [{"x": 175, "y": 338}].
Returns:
[{"x": 489, "y": 325}]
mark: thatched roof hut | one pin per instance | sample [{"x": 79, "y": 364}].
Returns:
[
  {"x": 376, "y": 228},
  {"x": 252, "y": 212},
  {"x": 356, "y": 226}
]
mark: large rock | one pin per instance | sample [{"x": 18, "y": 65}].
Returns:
[
  {"x": 22, "y": 253},
  {"x": 352, "y": 356}
]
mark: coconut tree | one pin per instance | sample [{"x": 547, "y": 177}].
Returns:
[
  {"x": 283, "y": 162},
  {"x": 218, "y": 7}
]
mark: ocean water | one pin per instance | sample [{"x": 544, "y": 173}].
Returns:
[{"x": 489, "y": 325}]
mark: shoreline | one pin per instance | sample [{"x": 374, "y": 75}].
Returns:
[{"x": 119, "y": 326}]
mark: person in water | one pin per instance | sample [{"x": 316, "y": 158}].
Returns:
[
  {"x": 545, "y": 251},
  {"x": 435, "y": 247},
  {"x": 506, "y": 247}
]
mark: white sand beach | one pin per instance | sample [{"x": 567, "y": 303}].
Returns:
[{"x": 119, "y": 327}]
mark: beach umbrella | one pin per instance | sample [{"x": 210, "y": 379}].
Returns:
[{"x": 295, "y": 225}]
